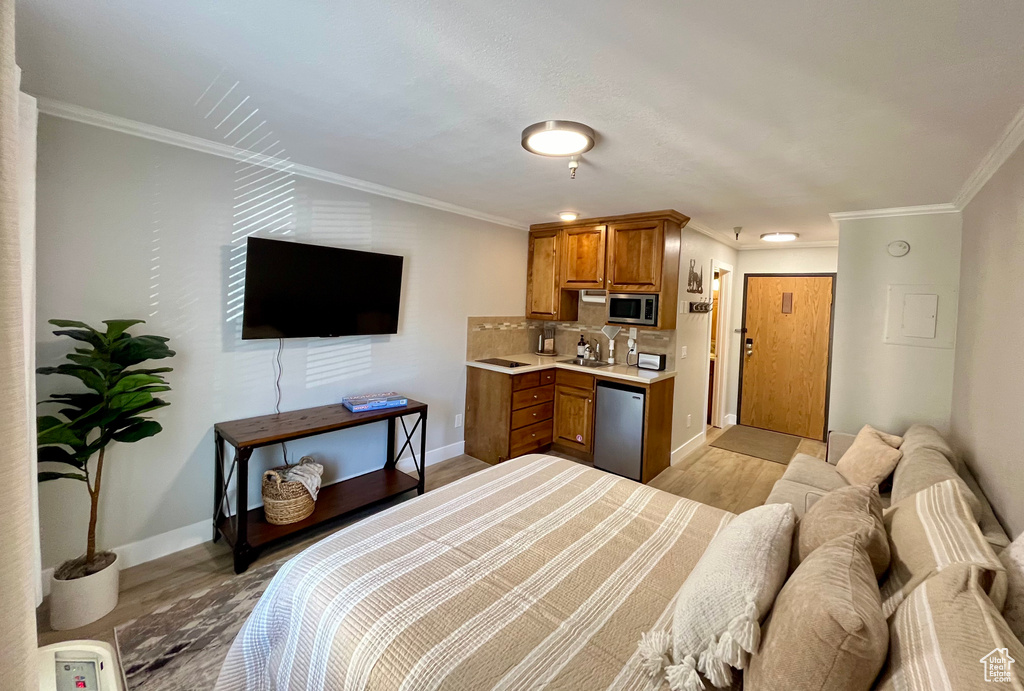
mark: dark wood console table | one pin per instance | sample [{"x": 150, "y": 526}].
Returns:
[{"x": 248, "y": 531}]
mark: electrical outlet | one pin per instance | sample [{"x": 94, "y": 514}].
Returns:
[
  {"x": 458, "y": 420},
  {"x": 689, "y": 420},
  {"x": 682, "y": 352}
]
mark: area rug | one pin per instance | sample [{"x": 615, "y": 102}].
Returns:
[
  {"x": 751, "y": 441},
  {"x": 180, "y": 647}
]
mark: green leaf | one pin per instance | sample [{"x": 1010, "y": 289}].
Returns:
[
  {"x": 55, "y": 454},
  {"x": 104, "y": 367},
  {"x": 59, "y": 434},
  {"x": 135, "y": 381},
  {"x": 141, "y": 370},
  {"x": 116, "y": 327},
  {"x": 65, "y": 323},
  {"x": 133, "y": 350},
  {"x": 46, "y": 475},
  {"x": 87, "y": 375},
  {"x": 47, "y": 422},
  {"x": 140, "y": 430},
  {"x": 129, "y": 401},
  {"x": 92, "y": 337}
]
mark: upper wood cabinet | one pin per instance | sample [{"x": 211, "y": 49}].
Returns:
[
  {"x": 583, "y": 257},
  {"x": 544, "y": 296},
  {"x": 636, "y": 253}
]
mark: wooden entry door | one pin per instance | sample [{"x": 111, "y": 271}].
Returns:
[{"x": 785, "y": 354}]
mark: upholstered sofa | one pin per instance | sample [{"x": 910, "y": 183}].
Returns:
[{"x": 926, "y": 459}]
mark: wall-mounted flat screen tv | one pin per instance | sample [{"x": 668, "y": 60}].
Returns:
[{"x": 295, "y": 290}]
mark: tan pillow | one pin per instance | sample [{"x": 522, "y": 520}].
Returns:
[
  {"x": 925, "y": 437},
  {"x": 891, "y": 439},
  {"x": 925, "y": 467},
  {"x": 853, "y": 509},
  {"x": 1013, "y": 609},
  {"x": 949, "y": 635},
  {"x": 929, "y": 532},
  {"x": 826, "y": 630},
  {"x": 869, "y": 460}
]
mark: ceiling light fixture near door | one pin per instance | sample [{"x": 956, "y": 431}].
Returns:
[
  {"x": 558, "y": 138},
  {"x": 779, "y": 237},
  {"x": 568, "y": 215}
]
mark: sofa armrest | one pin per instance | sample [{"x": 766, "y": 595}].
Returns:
[{"x": 838, "y": 444}]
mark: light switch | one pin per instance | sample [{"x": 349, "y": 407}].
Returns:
[
  {"x": 919, "y": 313},
  {"x": 682, "y": 352}
]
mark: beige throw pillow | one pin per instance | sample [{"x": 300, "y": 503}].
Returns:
[
  {"x": 826, "y": 631},
  {"x": 925, "y": 467},
  {"x": 949, "y": 635},
  {"x": 720, "y": 605},
  {"x": 853, "y": 509},
  {"x": 893, "y": 440},
  {"x": 869, "y": 460},
  {"x": 1013, "y": 559},
  {"x": 926, "y": 437},
  {"x": 929, "y": 532}
]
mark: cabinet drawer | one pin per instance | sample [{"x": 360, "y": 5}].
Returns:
[
  {"x": 525, "y": 381},
  {"x": 580, "y": 380},
  {"x": 528, "y": 397},
  {"x": 531, "y": 415},
  {"x": 529, "y": 438},
  {"x": 547, "y": 377}
]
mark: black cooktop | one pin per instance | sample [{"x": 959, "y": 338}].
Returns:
[{"x": 502, "y": 363}]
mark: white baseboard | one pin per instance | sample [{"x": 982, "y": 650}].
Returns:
[
  {"x": 729, "y": 419},
  {"x": 178, "y": 539},
  {"x": 689, "y": 447}
]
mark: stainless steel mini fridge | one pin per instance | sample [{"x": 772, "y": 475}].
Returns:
[{"x": 619, "y": 429}]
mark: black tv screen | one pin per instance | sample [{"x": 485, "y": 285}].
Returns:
[{"x": 294, "y": 290}]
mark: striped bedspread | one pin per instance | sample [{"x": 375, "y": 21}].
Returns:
[{"x": 536, "y": 573}]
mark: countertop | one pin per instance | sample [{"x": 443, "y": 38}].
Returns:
[{"x": 535, "y": 363}]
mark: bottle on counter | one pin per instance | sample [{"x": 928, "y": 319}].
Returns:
[{"x": 581, "y": 347}]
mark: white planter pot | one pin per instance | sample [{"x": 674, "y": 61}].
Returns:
[{"x": 82, "y": 601}]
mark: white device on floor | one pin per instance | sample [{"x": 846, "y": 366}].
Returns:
[{"x": 75, "y": 665}]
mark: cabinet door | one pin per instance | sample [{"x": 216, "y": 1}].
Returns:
[
  {"x": 635, "y": 256},
  {"x": 583, "y": 255},
  {"x": 542, "y": 288},
  {"x": 574, "y": 418}
]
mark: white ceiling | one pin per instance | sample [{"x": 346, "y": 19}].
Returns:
[{"x": 762, "y": 115}]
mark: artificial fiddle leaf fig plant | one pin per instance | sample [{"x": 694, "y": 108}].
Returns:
[{"x": 114, "y": 407}]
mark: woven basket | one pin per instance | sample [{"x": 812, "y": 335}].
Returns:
[{"x": 285, "y": 502}]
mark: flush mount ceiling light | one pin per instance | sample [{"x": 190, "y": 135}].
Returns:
[
  {"x": 568, "y": 215},
  {"x": 780, "y": 237},
  {"x": 558, "y": 138}
]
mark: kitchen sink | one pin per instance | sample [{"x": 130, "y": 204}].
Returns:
[{"x": 586, "y": 363}]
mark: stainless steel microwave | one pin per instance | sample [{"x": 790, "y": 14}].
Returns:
[{"x": 628, "y": 308}]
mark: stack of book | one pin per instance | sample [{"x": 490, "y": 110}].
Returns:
[{"x": 373, "y": 401}]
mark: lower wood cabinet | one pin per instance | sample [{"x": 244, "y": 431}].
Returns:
[
  {"x": 510, "y": 415},
  {"x": 574, "y": 411}
]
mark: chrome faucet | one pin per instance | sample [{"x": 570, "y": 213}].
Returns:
[{"x": 596, "y": 352}]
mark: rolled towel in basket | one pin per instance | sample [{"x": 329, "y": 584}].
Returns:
[{"x": 307, "y": 472}]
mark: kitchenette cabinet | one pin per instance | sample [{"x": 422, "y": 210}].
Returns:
[
  {"x": 635, "y": 253},
  {"x": 512, "y": 414}
]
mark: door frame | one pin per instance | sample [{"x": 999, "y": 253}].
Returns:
[
  {"x": 831, "y": 333},
  {"x": 719, "y": 395}
]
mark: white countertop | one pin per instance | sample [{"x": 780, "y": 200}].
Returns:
[{"x": 539, "y": 362}]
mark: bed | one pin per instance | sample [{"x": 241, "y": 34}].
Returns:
[{"x": 539, "y": 572}]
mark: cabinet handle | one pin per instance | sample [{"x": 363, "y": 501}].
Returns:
[
  {"x": 534, "y": 434},
  {"x": 535, "y": 414},
  {"x": 534, "y": 396},
  {"x": 589, "y": 401}
]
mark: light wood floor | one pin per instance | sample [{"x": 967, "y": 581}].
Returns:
[{"x": 721, "y": 478}]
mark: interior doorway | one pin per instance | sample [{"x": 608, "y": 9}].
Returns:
[
  {"x": 719, "y": 341},
  {"x": 786, "y": 353}
]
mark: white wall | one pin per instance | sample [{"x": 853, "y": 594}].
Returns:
[
  {"x": 790, "y": 260},
  {"x": 128, "y": 227},
  {"x": 988, "y": 383},
  {"x": 693, "y": 331},
  {"x": 891, "y": 386}
]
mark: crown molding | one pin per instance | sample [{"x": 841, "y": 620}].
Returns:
[
  {"x": 796, "y": 245},
  {"x": 1010, "y": 140},
  {"x": 87, "y": 116},
  {"x": 713, "y": 234},
  {"x": 923, "y": 210}
]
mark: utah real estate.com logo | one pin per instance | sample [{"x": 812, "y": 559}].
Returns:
[{"x": 997, "y": 666}]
